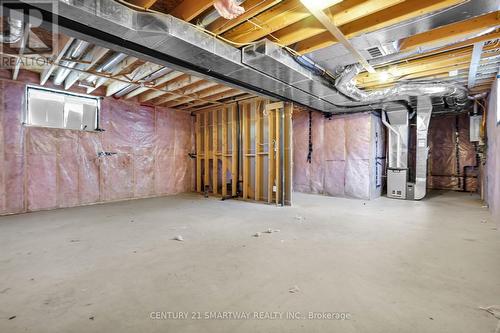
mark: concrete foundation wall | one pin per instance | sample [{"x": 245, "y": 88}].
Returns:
[
  {"x": 44, "y": 168},
  {"x": 493, "y": 158},
  {"x": 347, "y": 157}
]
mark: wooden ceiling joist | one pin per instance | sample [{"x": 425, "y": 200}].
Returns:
[
  {"x": 440, "y": 74},
  {"x": 345, "y": 12},
  {"x": 252, "y": 8},
  {"x": 390, "y": 16},
  {"x": 289, "y": 22},
  {"x": 201, "y": 95},
  {"x": 187, "y": 10},
  {"x": 138, "y": 74},
  {"x": 277, "y": 17},
  {"x": 169, "y": 86},
  {"x": 188, "y": 90},
  {"x": 440, "y": 65},
  {"x": 159, "y": 83},
  {"x": 451, "y": 31},
  {"x": 94, "y": 57},
  {"x": 146, "y": 4},
  {"x": 64, "y": 44},
  {"x": 470, "y": 41},
  {"x": 213, "y": 98},
  {"x": 124, "y": 67}
]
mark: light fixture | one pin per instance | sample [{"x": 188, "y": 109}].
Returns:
[{"x": 384, "y": 76}]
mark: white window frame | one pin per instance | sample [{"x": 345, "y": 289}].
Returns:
[{"x": 60, "y": 92}]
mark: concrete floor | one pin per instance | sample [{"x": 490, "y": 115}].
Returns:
[{"x": 393, "y": 266}]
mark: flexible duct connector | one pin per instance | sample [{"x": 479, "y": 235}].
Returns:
[
  {"x": 346, "y": 84},
  {"x": 15, "y": 32}
]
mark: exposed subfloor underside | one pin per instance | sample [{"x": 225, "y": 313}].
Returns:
[{"x": 395, "y": 266}]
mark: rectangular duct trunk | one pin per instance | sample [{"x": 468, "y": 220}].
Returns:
[{"x": 166, "y": 40}]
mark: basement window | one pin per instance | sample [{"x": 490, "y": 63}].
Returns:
[{"x": 58, "y": 109}]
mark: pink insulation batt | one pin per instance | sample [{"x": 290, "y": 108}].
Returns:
[
  {"x": 346, "y": 150},
  {"x": 45, "y": 168}
]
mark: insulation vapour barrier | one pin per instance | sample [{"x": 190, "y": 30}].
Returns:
[
  {"x": 45, "y": 168},
  {"x": 344, "y": 156},
  {"x": 451, "y": 154}
]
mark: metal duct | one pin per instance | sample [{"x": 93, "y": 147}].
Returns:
[
  {"x": 166, "y": 40},
  {"x": 398, "y": 126},
  {"x": 214, "y": 15},
  {"x": 271, "y": 59},
  {"x": 424, "y": 111},
  {"x": 346, "y": 84},
  {"x": 112, "y": 62},
  {"x": 107, "y": 66},
  {"x": 148, "y": 78},
  {"x": 75, "y": 52},
  {"x": 15, "y": 31}
]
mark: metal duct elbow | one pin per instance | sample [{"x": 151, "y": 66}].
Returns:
[
  {"x": 15, "y": 32},
  {"x": 346, "y": 84}
]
